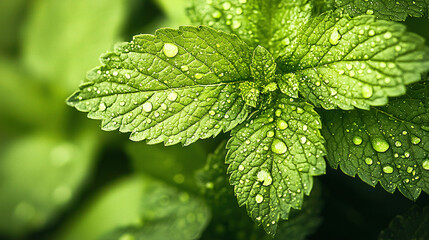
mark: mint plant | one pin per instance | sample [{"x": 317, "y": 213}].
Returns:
[{"x": 296, "y": 83}]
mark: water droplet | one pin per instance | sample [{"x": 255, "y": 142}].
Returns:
[
  {"x": 357, "y": 140},
  {"x": 398, "y": 143},
  {"x": 368, "y": 161},
  {"x": 127, "y": 76},
  {"x": 303, "y": 140},
  {"x": 409, "y": 169},
  {"x": 335, "y": 37},
  {"x": 278, "y": 112},
  {"x": 278, "y": 146},
  {"x": 102, "y": 107},
  {"x": 270, "y": 134},
  {"x": 115, "y": 73},
  {"x": 172, "y": 96},
  {"x": 170, "y": 50},
  {"x": 184, "y": 68},
  {"x": 380, "y": 145},
  {"x": 299, "y": 110},
  {"x": 367, "y": 91},
  {"x": 371, "y": 32},
  {"x": 198, "y": 75},
  {"x": 226, "y": 5},
  {"x": 281, "y": 124},
  {"x": 264, "y": 177},
  {"x": 369, "y": 12},
  {"x": 425, "y": 164},
  {"x": 407, "y": 154},
  {"x": 415, "y": 140},
  {"x": 240, "y": 168},
  {"x": 147, "y": 107},
  {"x": 212, "y": 113},
  {"x": 259, "y": 198},
  {"x": 388, "y": 169},
  {"x": 239, "y": 11}
]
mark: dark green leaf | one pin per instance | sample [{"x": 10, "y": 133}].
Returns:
[{"x": 389, "y": 145}]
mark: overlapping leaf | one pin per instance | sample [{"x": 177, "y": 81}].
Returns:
[
  {"x": 271, "y": 23},
  {"x": 389, "y": 145},
  {"x": 176, "y": 86},
  {"x": 354, "y": 62},
  {"x": 272, "y": 159}
]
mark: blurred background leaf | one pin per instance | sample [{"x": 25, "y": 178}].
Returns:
[
  {"x": 40, "y": 174},
  {"x": 63, "y": 39}
]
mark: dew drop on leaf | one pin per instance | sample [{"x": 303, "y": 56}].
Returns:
[
  {"x": 335, "y": 37},
  {"x": 281, "y": 124},
  {"x": 102, "y": 107},
  {"x": 367, "y": 91},
  {"x": 259, "y": 198},
  {"x": 278, "y": 146},
  {"x": 270, "y": 134},
  {"x": 172, "y": 96},
  {"x": 264, "y": 177},
  {"x": 415, "y": 140},
  {"x": 240, "y": 168},
  {"x": 368, "y": 161},
  {"x": 147, "y": 107},
  {"x": 170, "y": 50},
  {"x": 425, "y": 164},
  {"x": 357, "y": 140},
  {"x": 387, "y": 169},
  {"x": 198, "y": 75},
  {"x": 380, "y": 145}
]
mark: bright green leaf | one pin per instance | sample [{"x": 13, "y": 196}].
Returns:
[
  {"x": 166, "y": 214},
  {"x": 63, "y": 39},
  {"x": 176, "y": 86},
  {"x": 272, "y": 23},
  {"x": 389, "y": 145},
  {"x": 41, "y": 174},
  {"x": 272, "y": 158},
  {"x": 354, "y": 62},
  {"x": 288, "y": 84},
  {"x": 413, "y": 224}
]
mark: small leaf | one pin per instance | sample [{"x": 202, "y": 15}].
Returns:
[
  {"x": 288, "y": 84},
  {"x": 273, "y": 24},
  {"x": 272, "y": 159},
  {"x": 389, "y": 145},
  {"x": 176, "y": 86},
  {"x": 263, "y": 66},
  {"x": 412, "y": 225},
  {"x": 354, "y": 62}
]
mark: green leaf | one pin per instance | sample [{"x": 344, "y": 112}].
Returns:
[
  {"x": 272, "y": 159},
  {"x": 413, "y": 224},
  {"x": 385, "y": 9},
  {"x": 272, "y": 24},
  {"x": 41, "y": 174},
  {"x": 387, "y": 145},
  {"x": 62, "y": 39},
  {"x": 288, "y": 84},
  {"x": 166, "y": 214},
  {"x": 354, "y": 62},
  {"x": 176, "y": 86}
]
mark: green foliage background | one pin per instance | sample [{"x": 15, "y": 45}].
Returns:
[{"x": 63, "y": 178}]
